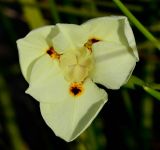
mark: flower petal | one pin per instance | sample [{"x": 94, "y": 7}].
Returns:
[
  {"x": 47, "y": 83},
  {"x": 130, "y": 37},
  {"x": 69, "y": 118},
  {"x": 59, "y": 117},
  {"x": 103, "y": 28},
  {"x": 114, "y": 64},
  {"x": 31, "y": 47},
  {"x": 111, "y": 29},
  {"x": 68, "y": 37}
]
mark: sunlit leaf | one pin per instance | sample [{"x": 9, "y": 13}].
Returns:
[
  {"x": 32, "y": 15},
  {"x": 134, "y": 81},
  {"x": 154, "y": 93}
]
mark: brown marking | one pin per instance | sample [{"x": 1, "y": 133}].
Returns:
[
  {"x": 90, "y": 42},
  {"x": 76, "y": 89},
  {"x": 52, "y": 53}
]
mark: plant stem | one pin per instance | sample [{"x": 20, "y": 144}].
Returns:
[{"x": 137, "y": 23}]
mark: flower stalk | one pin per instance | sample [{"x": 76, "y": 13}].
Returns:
[{"x": 137, "y": 23}]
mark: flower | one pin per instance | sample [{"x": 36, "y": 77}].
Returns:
[{"x": 63, "y": 63}]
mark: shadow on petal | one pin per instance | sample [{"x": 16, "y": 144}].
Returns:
[
  {"x": 124, "y": 37},
  {"x": 29, "y": 70},
  {"x": 87, "y": 119}
]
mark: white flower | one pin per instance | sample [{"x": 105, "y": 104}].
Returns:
[{"x": 62, "y": 63}]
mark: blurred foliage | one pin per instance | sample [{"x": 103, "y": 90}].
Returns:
[{"x": 131, "y": 118}]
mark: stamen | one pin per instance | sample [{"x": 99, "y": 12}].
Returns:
[
  {"x": 76, "y": 89},
  {"x": 52, "y": 53},
  {"x": 90, "y": 42}
]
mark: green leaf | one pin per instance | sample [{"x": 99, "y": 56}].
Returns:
[
  {"x": 33, "y": 15},
  {"x": 134, "y": 81},
  {"x": 152, "y": 92}
]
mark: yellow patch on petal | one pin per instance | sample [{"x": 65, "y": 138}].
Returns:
[
  {"x": 76, "y": 89},
  {"x": 90, "y": 42},
  {"x": 52, "y": 53}
]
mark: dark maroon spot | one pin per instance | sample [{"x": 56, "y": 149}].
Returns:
[
  {"x": 75, "y": 90},
  {"x": 94, "y": 40},
  {"x": 50, "y": 51}
]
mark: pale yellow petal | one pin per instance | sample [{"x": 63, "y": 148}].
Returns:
[
  {"x": 68, "y": 37},
  {"x": 114, "y": 64},
  {"x": 69, "y": 118},
  {"x": 47, "y": 83},
  {"x": 31, "y": 47},
  {"x": 104, "y": 28},
  {"x": 111, "y": 29}
]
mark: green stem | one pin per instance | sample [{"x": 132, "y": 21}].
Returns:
[{"x": 135, "y": 21}]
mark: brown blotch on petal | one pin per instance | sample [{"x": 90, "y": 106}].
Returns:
[
  {"x": 52, "y": 53},
  {"x": 90, "y": 42},
  {"x": 94, "y": 40},
  {"x": 76, "y": 89}
]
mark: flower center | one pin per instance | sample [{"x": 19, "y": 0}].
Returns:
[{"x": 76, "y": 67}]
